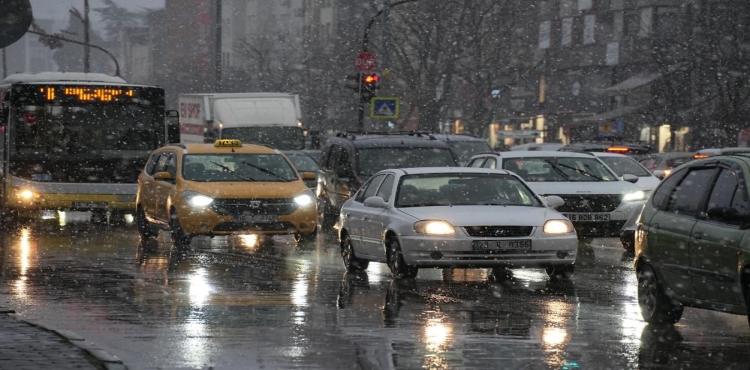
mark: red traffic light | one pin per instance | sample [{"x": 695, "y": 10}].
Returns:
[{"x": 371, "y": 79}]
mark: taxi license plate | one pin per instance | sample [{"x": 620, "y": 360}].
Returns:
[
  {"x": 594, "y": 217},
  {"x": 259, "y": 218},
  {"x": 502, "y": 245},
  {"x": 90, "y": 204}
]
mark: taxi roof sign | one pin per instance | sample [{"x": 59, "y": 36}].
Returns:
[{"x": 228, "y": 143}]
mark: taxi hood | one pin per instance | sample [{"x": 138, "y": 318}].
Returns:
[
  {"x": 485, "y": 215},
  {"x": 246, "y": 190},
  {"x": 582, "y": 188}
]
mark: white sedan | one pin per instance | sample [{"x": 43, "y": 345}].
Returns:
[{"x": 454, "y": 217}]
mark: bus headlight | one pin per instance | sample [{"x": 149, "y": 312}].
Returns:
[{"x": 26, "y": 194}]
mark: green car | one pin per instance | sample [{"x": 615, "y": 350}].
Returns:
[{"x": 692, "y": 245}]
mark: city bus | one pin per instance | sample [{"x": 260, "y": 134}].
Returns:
[{"x": 76, "y": 142}]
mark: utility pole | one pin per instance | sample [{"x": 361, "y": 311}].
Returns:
[
  {"x": 5, "y": 65},
  {"x": 217, "y": 51},
  {"x": 86, "y": 49}
]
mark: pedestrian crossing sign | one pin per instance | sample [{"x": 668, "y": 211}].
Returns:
[{"x": 384, "y": 107}]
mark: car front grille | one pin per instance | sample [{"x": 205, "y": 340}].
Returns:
[
  {"x": 589, "y": 203},
  {"x": 498, "y": 231},
  {"x": 250, "y": 227},
  {"x": 254, "y": 206}
]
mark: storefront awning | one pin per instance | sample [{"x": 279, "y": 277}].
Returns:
[{"x": 639, "y": 80}]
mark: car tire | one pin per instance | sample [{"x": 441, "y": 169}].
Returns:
[
  {"x": 560, "y": 272},
  {"x": 656, "y": 307},
  {"x": 144, "y": 227},
  {"x": 396, "y": 262},
  {"x": 306, "y": 237},
  {"x": 351, "y": 262},
  {"x": 326, "y": 220},
  {"x": 179, "y": 237}
]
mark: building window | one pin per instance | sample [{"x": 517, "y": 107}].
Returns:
[
  {"x": 613, "y": 53},
  {"x": 616, "y": 4},
  {"x": 584, "y": 4},
  {"x": 667, "y": 22},
  {"x": 567, "y": 8},
  {"x": 589, "y": 25},
  {"x": 567, "y": 32},
  {"x": 644, "y": 29},
  {"x": 618, "y": 22},
  {"x": 544, "y": 34}
]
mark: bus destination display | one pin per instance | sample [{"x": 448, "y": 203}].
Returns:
[{"x": 86, "y": 93}]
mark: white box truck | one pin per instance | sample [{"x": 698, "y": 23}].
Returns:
[{"x": 263, "y": 118}]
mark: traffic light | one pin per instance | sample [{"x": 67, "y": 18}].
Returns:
[{"x": 369, "y": 83}]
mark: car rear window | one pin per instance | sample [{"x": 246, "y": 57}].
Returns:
[{"x": 373, "y": 160}]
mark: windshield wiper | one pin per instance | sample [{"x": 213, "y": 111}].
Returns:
[
  {"x": 557, "y": 169},
  {"x": 225, "y": 168},
  {"x": 261, "y": 169},
  {"x": 582, "y": 172}
]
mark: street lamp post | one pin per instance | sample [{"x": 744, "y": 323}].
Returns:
[{"x": 117, "y": 65}]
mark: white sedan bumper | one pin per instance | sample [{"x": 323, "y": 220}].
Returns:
[{"x": 458, "y": 251}]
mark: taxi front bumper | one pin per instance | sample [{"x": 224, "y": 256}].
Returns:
[{"x": 204, "y": 221}]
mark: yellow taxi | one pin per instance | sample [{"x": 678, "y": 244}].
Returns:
[{"x": 221, "y": 189}]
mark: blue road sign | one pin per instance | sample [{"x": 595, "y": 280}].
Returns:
[{"x": 384, "y": 107}]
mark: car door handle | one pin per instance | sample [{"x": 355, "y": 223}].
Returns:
[
  {"x": 698, "y": 235},
  {"x": 655, "y": 226},
  {"x": 365, "y": 219}
]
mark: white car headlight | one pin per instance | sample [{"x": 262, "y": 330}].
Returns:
[
  {"x": 197, "y": 199},
  {"x": 636, "y": 195},
  {"x": 558, "y": 227},
  {"x": 434, "y": 227},
  {"x": 304, "y": 199}
]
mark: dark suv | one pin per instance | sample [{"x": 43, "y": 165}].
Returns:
[{"x": 349, "y": 159}]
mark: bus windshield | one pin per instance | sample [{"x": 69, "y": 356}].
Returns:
[{"x": 80, "y": 138}]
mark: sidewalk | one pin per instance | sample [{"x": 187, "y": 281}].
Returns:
[{"x": 26, "y": 345}]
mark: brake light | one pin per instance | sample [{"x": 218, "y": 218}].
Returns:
[{"x": 618, "y": 149}]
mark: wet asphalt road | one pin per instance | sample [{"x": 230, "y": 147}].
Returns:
[{"x": 229, "y": 303}]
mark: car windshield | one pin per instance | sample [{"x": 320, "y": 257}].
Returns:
[
  {"x": 467, "y": 149},
  {"x": 373, "y": 160},
  {"x": 463, "y": 189},
  {"x": 303, "y": 163},
  {"x": 559, "y": 169},
  {"x": 237, "y": 167},
  {"x": 625, "y": 166}
]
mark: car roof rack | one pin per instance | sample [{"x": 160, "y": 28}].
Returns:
[{"x": 353, "y": 134}]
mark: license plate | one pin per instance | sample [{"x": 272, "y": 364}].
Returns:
[
  {"x": 504, "y": 245},
  {"x": 260, "y": 218},
  {"x": 89, "y": 204},
  {"x": 593, "y": 217}
]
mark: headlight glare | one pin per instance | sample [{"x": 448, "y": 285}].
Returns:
[
  {"x": 197, "y": 199},
  {"x": 434, "y": 227},
  {"x": 636, "y": 195},
  {"x": 26, "y": 194},
  {"x": 304, "y": 199},
  {"x": 558, "y": 227}
]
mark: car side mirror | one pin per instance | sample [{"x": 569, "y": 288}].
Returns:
[
  {"x": 553, "y": 201},
  {"x": 630, "y": 178},
  {"x": 659, "y": 173},
  {"x": 375, "y": 202},
  {"x": 309, "y": 176},
  {"x": 163, "y": 176}
]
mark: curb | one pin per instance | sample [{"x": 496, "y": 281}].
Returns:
[{"x": 109, "y": 361}]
